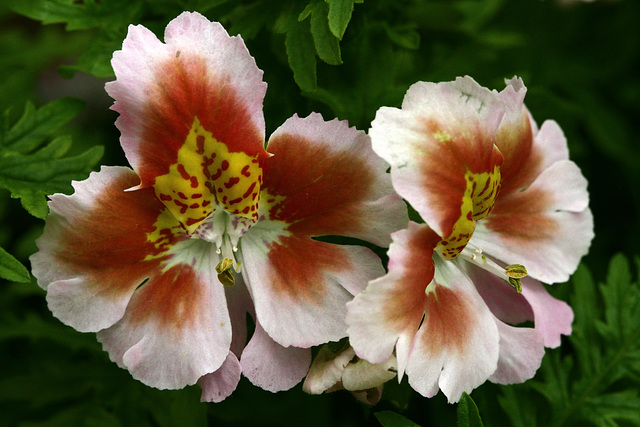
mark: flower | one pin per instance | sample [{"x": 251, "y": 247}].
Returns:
[
  {"x": 500, "y": 199},
  {"x": 343, "y": 370},
  {"x": 142, "y": 256}
]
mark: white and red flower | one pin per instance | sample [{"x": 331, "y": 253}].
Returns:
[
  {"x": 496, "y": 194},
  {"x": 142, "y": 256}
]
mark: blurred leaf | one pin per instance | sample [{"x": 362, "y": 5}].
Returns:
[
  {"x": 249, "y": 19},
  {"x": 478, "y": 13},
  {"x": 96, "y": 59},
  {"x": 468, "y": 415},
  {"x": 36, "y": 125},
  {"x": 12, "y": 269},
  {"x": 300, "y": 49},
  {"x": 27, "y": 53},
  {"x": 326, "y": 44},
  {"x": 339, "y": 15},
  {"x": 404, "y": 37},
  {"x": 31, "y": 175},
  {"x": 391, "y": 419},
  {"x": 111, "y": 18},
  {"x": 34, "y": 327},
  {"x": 79, "y": 15}
]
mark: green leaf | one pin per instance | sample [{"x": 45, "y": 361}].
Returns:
[
  {"x": 301, "y": 54},
  {"x": 250, "y": 19},
  {"x": 468, "y": 415},
  {"x": 79, "y": 15},
  {"x": 391, "y": 419},
  {"x": 31, "y": 173},
  {"x": 96, "y": 59},
  {"x": 339, "y": 16},
  {"x": 327, "y": 45},
  {"x": 36, "y": 125},
  {"x": 12, "y": 269}
]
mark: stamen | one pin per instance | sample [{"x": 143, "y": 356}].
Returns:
[
  {"x": 225, "y": 275},
  {"x": 515, "y": 273},
  {"x": 511, "y": 274}
]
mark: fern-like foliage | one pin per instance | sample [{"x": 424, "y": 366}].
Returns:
[
  {"x": 32, "y": 164},
  {"x": 596, "y": 380}
]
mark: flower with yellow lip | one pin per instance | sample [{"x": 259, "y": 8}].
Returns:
[
  {"x": 503, "y": 208},
  {"x": 165, "y": 261}
]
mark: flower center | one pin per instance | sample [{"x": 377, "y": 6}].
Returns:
[
  {"x": 208, "y": 177},
  {"x": 229, "y": 262},
  {"x": 477, "y": 202}
]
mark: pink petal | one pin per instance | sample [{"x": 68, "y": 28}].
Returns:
[
  {"x": 300, "y": 286},
  {"x": 176, "y": 328},
  {"x": 161, "y": 88},
  {"x": 271, "y": 366},
  {"x": 521, "y": 352},
  {"x": 324, "y": 179},
  {"x": 391, "y": 307},
  {"x": 219, "y": 385},
  {"x": 551, "y": 141},
  {"x": 503, "y": 301},
  {"x": 442, "y": 132},
  {"x": 547, "y": 227},
  {"x": 553, "y": 317},
  {"x": 456, "y": 348},
  {"x": 93, "y": 249}
]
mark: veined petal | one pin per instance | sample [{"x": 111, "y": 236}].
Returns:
[
  {"x": 553, "y": 317},
  {"x": 96, "y": 248},
  {"x": 176, "y": 328},
  {"x": 300, "y": 286},
  {"x": 271, "y": 366},
  {"x": 547, "y": 227},
  {"x": 191, "y": 117},
  {"x": 521, "y": 352},
  {"x": 514, "y": 139},
  {"x": 441, "y": 149},
  {"x": 391, "y": 307},
  {"x": 219, "y": 385},
  {"x": 456, "y": 348},
  {"x": 527, "y": 151},
  {"x": 504, "y": 302},
  {"x": 324, "y": 179}
]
